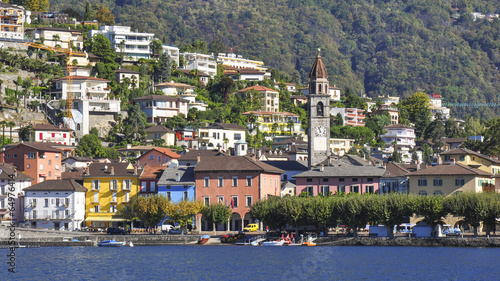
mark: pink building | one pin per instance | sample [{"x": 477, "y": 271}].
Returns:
[
  {"x": 40, "y": 161},
  {"x": 158, "y": 156},
  {"x": 345, "y": 178},
  {"x": 237, "y": 181},
  {"x": 149, "y": 179}
]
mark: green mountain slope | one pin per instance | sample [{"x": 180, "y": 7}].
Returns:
[{"x": 377, "y": 47}]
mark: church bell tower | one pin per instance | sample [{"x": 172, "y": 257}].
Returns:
[{"x": 319, "y": 114}]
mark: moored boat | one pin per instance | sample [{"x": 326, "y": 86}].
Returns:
[
  {"x": 273, "y": 243},
  {"x": 110, "y": 243},
  {"x": 203, "y": 239}
]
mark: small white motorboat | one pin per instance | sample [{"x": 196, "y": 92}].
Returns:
[
  {"x": 273, "y": 243},
  {"x": 110, "y": 243},
  {"x": 130, "y": 244}
]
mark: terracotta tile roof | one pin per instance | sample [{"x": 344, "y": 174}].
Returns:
[
  {"x": 72, "y": 173},
  {"x": 258, "y": 88},
  {"x": 289, "y": 141},
  {"x": 152, "y": 172},
  {"x": 454, "y": 140},
  {"x": 393, "y": 170},
  {"x": 170, "y": 84},
  {"x": 49, "y": 127},
  {"x": 318, "y": 69},
  {"x": 161, "y": 98},
  {"x": 167, "y": 152},
  {"x": 299, "y": 97},
  {"x": 40, "y": 146},
  {"x": 57, "y": 185},
  {"x": 104, "y": 170},
  {"x": 449, "y": 170},
  {"x": 85, "y": 78},
  {"x": 188, "y": 72},
  {"x": 8, "y": 169},
  {"x": 233, "y": 164},
  {"x": 159, "y": 129},
  {"x": 465, "y": 151},
  {"x": 343, "y": 171},
  {"x": 192, "y": 155},
  {"x": 250, "y": 71}
]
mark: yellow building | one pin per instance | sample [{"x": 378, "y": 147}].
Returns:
[
  {"x": 109, "y": 187},
  {"x": 448, "y": 179},
  {"x": 266, "y": 119},
  {"x": 473, "y": 159}
]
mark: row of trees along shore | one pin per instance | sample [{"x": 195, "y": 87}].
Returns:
[{"x": 355, "y": 211}]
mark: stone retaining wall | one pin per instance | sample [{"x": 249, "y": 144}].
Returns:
[{"x": 411, "y": 242}]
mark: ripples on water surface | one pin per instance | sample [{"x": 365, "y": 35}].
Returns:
[{"x": 253, "y": 263}]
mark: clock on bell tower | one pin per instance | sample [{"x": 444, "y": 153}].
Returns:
[{"x": 319, "y": 114}]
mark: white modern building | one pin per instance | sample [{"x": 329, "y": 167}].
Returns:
[
  {"x": 173, "y": 52},
  {"x": 133, "y": 77},
  {"x": 55, "y": 204},
  {"x": 91, "y": 104},
  {"x": 436, "y": 106},
  {"x": 183, "y": 91},
  {"x": 11, "y": 178},
  {"x": 135, "y": 44},
  {"x": 57, "y": 36},
  {"x": 55, "y": 134},
  {"x": 220, "y": 135},
  {"x": 402, "y": 134},
  {"x": 158, "y": 108},
  {"x": 270, "y": 97},
  {"x": 237, "y": 61},
  {"x": 201, "y": 62},
  {"x": 350, "y": 116},
  {"x": 340, "y": 147}
]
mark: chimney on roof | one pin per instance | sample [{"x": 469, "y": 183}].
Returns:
[
  {"x": 15, "y": 173},
  {"x": 135, "y": 170},
  {"x": 418, "y": 166},
  {"x": 322, "y": 168},
  {"x": 60, "y": 125},
  {"x": 87, "y": 170},
  {"x": 452, "y": 161},
  {"x": 177, "y": 176},
  {"x": 112, "y": 170},
  {"x": 198, "y": 158}
]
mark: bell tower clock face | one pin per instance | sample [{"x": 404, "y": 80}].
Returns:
[{"x": 320, "y": 131}]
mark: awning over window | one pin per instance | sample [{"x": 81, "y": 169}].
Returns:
[{"x": 103, "y": 218}]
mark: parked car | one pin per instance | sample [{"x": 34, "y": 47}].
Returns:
[
  {"x": 116, "y": 230},
  {"x": 177, "y": 231},
  {"x": 251, "y": 227},
  {"x": 166, "y": 227}
]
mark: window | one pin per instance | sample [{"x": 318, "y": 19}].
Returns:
[
  {"x": 185, "y": 196},
  {"x": 152, "y": 186},
  {"x": 127, "y": 196},
  {"x": 325, "y": 190},
  {"x": 220, "y": 181},
  {"x": 370, "y": 189},
  {"x": 151, "y": 157},
  {"x": 28, "y": 166},
  {"x": 14, "y": 155},
  {"x": 66, "y": 202},
  {"x": 159, "y": 158},
  {"x": 341, "y": 188},
  {"x": 96, "y": 184},
  {"x": 41, "y": 167},
  {"x": 50, "y": 174},
  {"x": 325, "y": 179},
  {"x": 354, "y": 179},
  {"x": 310, "y": 190},
  {"x": 206, "y": 181},
  {"x": 462, "y": 158},
  {"x": 234, "y": 201},
  {"x": 57, "y": 155},
  {"x": 422, "y": 182},
  {"x": 235, "y": 181},
  {"x": 50, "y": 162},
  {"x": 249, "y": 181},
  {"x": 354, "y": 188},
  {"x": 97, "y": 209},
  {"x": 423, "y": 193},
  {"x": 206, "y": 200},
  {"x": 169, "y": 196},
  {"x": 113, "y": 208},
  {"x": 459, "y": 182},
  {"x": 220, "y": 199},
  {"x": 309, "y": 180},
  {"x": 249, "y": 200},
  {"x": 31, "y": 155},
  {"x": 96, "y": 197},
  {"x": 143, "y": 186},
  {"x": 438, "y": 182},
  {"x": 369, "y": 179},
  {"x": 57, "y": 202},
  {"x": 57, "y": 167},
  {"x": 237, "y": 137},
  {"x": 341, "y": 180},
  {"x": 126, "y": 185},
  {"x": 7, "y": 156},
  {"x": 66, "y": 213},
  {"x": 114, "y": 197},
  {"x": 46, "y": 203},
  {"x": 438, "y": 192}
]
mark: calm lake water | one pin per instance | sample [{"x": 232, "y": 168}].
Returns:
[{"x": 253, "y": 263}]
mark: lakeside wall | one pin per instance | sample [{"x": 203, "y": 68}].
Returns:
[{"x": 411, "y": 242}]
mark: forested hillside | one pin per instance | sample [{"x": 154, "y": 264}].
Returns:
[{"x": 375, "y": 47}]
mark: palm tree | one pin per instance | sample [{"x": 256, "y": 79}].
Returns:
[
  {"x": 226, "y": 141},
  {"x": 56, "y": 38},
  {"x": 290, "y": 125},
  {"x": 11, "y": 124},
  {"x": 3, "y": 124}
]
